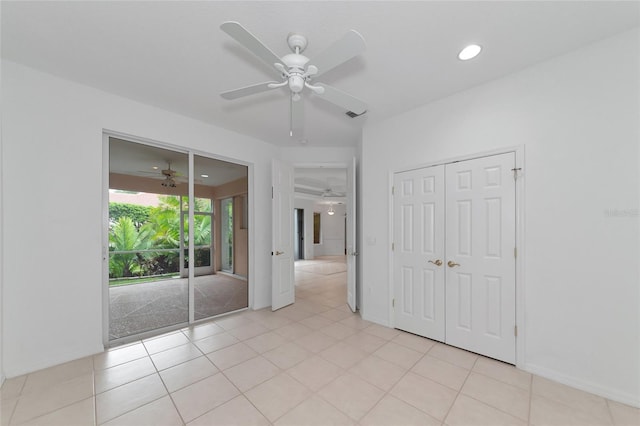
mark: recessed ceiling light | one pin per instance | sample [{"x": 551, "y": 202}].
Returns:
[
  {"x": 155, "y": 167},
  {"x": 204, "y": 176},
  {"x": 469, "y": 52}
]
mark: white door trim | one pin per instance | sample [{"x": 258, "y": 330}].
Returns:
[{"x": 519, "y": 151}]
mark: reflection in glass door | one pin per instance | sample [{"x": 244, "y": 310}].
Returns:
[
  {"x": 222, "y": 184},
  {"x": 226, "y": 234},
  {"x": 145, "y": 288},
  {"x": 202, "y": 237}
]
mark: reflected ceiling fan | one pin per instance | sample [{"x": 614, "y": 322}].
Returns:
[
  {"x": 170, "y": 176},
  {"x": 296, "y": 71}
]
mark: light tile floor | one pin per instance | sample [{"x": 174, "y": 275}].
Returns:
[{"x": 311, "y": 363}]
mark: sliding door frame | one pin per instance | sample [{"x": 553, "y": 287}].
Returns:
[{"x": 104, "y": 281}]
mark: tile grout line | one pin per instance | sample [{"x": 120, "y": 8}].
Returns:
[
  {"x": 94, "y": 396},
  {"x": 19, "y": 397},
  {"x": 530, "y": 399},
  {"x": 459, "y": 390},
  {"x": 129, "y": 382}
]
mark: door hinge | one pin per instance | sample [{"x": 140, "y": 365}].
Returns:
[
  {"x": 393, "y": 246},
  {"x": 515, "y": 252},
  {"x": 393, "y": 190},
  {"x": 272, "y": 192},
  {"x": 515, "y": 171},
  {"x": 393, "y": 303},
  {"x": 515, "y": 330}
]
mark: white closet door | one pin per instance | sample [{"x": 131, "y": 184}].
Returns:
[
  {"x": 418, "y": 253},
  {"x": 480, "y": 243}
]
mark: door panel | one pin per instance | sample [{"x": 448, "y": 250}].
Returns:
[
  {"x": 480, "y": 237},
  {"x": 352, "y": 250},
  {"x": 419, "y": 229},
  {"x": 283, "y": 289}
]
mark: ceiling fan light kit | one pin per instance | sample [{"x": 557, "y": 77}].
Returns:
[{"x": 296, "y": 71}]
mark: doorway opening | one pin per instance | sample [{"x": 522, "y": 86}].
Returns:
[
  {"x": 163, "y": 249},
  {"x": 320, "y": 232},
  {"x": 298, "y": 234}
]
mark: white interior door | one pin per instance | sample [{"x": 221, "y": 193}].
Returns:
[
  {"x": 419, "y": 295},
  {"x": 282, "y": 281},
  {"x": 352, "y": 251},
  {"x": 480, "y": 244}
]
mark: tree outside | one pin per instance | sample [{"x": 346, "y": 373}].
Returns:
[{"x": 145, "y": 241}]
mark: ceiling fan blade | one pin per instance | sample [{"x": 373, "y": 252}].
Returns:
[
  {"x": 251, "y": 42},
  {"x": 350, "y": 45},
  {"x": 297, "y": 117},
  {"x": 246, "y": 91},
  {"x": 342, "y": 99}
]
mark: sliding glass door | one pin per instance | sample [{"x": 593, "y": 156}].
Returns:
[{"x": 151, "y": 246}]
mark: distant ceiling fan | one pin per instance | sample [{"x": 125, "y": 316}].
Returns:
[
  {"x": 170, "y": 176},
  {"x": 330, "y": 193},
  {"x": 169, "y": 180},
  {"x": 296, "y": 71}
]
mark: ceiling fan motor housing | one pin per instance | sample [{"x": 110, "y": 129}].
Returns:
[{"x": 295, "y": 64}]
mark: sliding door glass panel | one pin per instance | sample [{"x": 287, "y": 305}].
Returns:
[
  {"x": 215, "y": 293},
  {"x": 202, "y": 235},
  {"x": 146, "y": 288},
  {"x": 226, "y": 231}
]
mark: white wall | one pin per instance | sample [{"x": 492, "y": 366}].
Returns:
[
  {"x": 308, "y": 206},
  {"x": 578, "y": 118},
  {"x": 332, "y": 230},
  {"x": 52, "y": 141}
]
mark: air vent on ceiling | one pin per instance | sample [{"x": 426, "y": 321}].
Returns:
[{"x": 354, "y": 115}]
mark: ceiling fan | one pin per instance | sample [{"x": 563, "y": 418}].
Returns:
[
  {"x": 169, "y": 181},
  {"x": 296, "y": 71},
  {"x": 330, "y": 193},
  {"x": 170, "y": 176}
]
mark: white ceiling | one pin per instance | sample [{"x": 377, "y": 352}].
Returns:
[{"x": 173, "y": 54}]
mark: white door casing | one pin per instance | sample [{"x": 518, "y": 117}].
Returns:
[
  {"x": 480, "y": 249},
  {"x": 418, "y": 210},
  {"x": 352, "y": 250},
  {"x": 282, "y": 278}
]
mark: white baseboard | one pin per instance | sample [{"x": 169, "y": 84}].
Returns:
[
  {"x": 378, "y": 321},
  {"x": 603, "y": 391}
]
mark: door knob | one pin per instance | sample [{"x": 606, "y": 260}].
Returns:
[
  {"x": 451, "y": 264},
  {"x": 278, "y": 253},
  {"x": 437, "y": 262}
]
